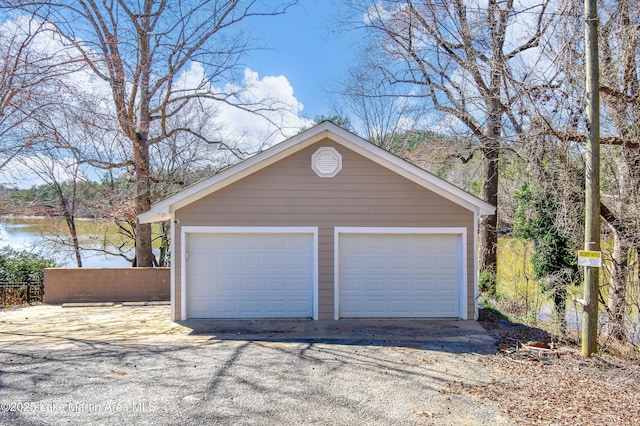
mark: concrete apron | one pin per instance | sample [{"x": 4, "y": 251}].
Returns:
[
  {"x": 57, "y": 327},
  {"x": 450, "y": 335}
]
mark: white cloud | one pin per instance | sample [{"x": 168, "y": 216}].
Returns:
[
  {"x": 36, "y": 169},
  {"x": 378, "y": 12},
  {"x": 273, "y": 113},
  {"x": 257, "y": 113}
]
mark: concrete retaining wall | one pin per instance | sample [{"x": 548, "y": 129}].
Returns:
[{"x": 62, "y": 285}]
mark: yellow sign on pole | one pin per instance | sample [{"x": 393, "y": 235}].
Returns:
[{"x": 590, "y": 258}]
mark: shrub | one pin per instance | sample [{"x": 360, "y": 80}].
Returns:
[
  {"x": 487, "y": 282},
  {"x": 22, "y": 266}
]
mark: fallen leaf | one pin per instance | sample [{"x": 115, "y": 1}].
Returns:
[{"x": 538, "y": 345}]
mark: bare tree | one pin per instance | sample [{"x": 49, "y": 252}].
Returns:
[
  {"x": 620, "y": 86},
  {"x": 466, "y": 58},
  {"x": 388, "y": 117},
  {"x": 25, "y": 72},
  {"x": 620, "y": 118},
  {"x": 142, "y": 51},
  {"x": 560, "y": 114},
  {"x": 63, "y": 175}
]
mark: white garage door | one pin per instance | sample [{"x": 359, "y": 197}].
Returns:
[
  {"x": 249, "y": 275},
  {"x": 399, "y": 275}
]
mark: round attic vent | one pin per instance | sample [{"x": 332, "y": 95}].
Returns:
[{"x": 326, "y": 162}]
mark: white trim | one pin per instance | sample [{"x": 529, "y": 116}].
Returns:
[
  {"x": 246, "y": 230},
  {"x": 476, "y": 292},
  {"x": 161, "y": 210},
  {"x": 172, "y": 278},
  {"x": 233, "y": 173},
  {"x": 417, "y": 175},
  {"x": 461, "y": 231},
  {"x": 399, "y": 230},
  {"x": 464, "y": 294},
  {"x": 183, "y": 273},
  {"x": 154, "y": 215}
]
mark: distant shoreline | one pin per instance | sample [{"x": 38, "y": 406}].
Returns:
[{"x": 2, "y": 217}]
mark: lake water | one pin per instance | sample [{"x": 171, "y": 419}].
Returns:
[{"x": 27, "y": 234}]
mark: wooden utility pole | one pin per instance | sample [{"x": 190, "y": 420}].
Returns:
[{"x": 592, "y": 180}]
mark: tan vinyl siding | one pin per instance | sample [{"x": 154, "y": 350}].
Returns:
[{"x": 289, "y": 193}]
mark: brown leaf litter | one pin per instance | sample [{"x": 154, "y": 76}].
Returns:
[{"x": 536, "y": 381}]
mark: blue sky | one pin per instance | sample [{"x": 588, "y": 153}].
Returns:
[{"x": 303, "y": 47}]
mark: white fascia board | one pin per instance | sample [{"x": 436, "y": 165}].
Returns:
[
  {"x": 476, "y": 292},
  {"x": 234, "y": 173},
  {"x": 162, "y": 209},
  {"x": 154, "y": 216},
  {"x": 416, "y": 174}
]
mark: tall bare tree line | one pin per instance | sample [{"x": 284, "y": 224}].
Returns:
[
  {"x": 620, "y": 91},
  {"x": 139, "y": 49},
  {"x": 462, "y": 59},
  {"x": 507, "y": 79},
  {"x": 619, "y": 46}
]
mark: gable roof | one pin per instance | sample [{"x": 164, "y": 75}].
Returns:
[{"x": 162, "y": 210}]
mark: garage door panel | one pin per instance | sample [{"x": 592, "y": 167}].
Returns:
[
  {"x": 399, "y": 306},
  {"x": 250, "y": 285},
  {"x": 231, "y": 263},
  {"x": 274, "y": 307},
  {"x": 401, "y": 286},
  {"x": 375, "y": 308},
  {"x": 300, "y": 262},
  {"x": 249, "y": 275},
  {"x": 447, "y": 306},
  {"x": 215, "y": 285},
  {"x": 399, "y": 263},
  {"x": 423, "y": 305},
  {"x": 399, "y": 275},
  {"x": 277, "y": 263},
  {"x": 275, "y": 285},
  {"x": 201, "y": 305}
]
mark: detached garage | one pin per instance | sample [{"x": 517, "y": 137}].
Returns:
[{"x": 324, "y": 225}]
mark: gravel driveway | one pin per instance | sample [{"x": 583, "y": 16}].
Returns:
[{"x": 131, "y": 365}]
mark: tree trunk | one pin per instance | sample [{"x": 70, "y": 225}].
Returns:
[
  {"x": 488, "y": 237},
  {"x": 144, "y": 254},
  {"x": 69, "y": 216},
  {"x": 560, "y": 307},
  {"x": 616, "y": 301},
  {"x": 165, "y": 254},
  {"x": 71, "y": 224}
]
